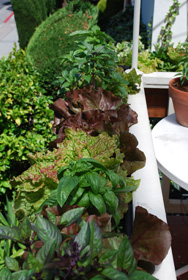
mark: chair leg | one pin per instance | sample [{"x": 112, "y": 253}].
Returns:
[
  {"x": 165, "y": 189},
  {"x": 182, "y": 270},
  {"x": 172, "y": 205}
]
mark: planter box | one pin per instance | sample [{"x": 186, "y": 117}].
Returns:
[
  {"x": 155, "y": 84},
  {"x": 149, "y": 194}
]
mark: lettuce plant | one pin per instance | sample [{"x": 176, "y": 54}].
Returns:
[{"x": 34, "y": 185}]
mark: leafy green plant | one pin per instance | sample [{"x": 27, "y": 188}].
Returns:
[
  {"x": 89, "y": 184},
  {"x": 93, "y": 62},
  {"x": 8, "y": 248},
  {"x": 34, "y": 185},
  {"x": 25, "y": 116},
  {"x": 67, "y": 243},
  {"x": 28, "y": 15},
  {"x": 184, "y": 64},
  {"x": 165, "y": 35},
  {"x": 51, "y": 39}
]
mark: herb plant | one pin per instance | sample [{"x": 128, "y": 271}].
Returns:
[
  {"x": 89, "y": 184},
  {"x": 67, "y": 243},
  {"x": 184, "y": 64},
  {"x": 34, "y": 185},
  {"x": 51, "y": 39},
  {"x": 93, "y": 62}
]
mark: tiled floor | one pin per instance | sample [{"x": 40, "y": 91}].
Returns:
[{"x": 179, "y": 230}]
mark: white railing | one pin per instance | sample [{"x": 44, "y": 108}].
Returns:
[{"x": 149, "y": 194}]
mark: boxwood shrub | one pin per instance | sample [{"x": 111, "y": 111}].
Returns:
[{"x": 25, "y": 117}]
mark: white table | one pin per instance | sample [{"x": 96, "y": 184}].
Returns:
[
  {"x": 170, "y": 141},
  {"x": 171, "y": 148}
]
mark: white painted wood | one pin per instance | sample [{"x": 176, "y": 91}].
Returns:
[
  {"x": 170, "y": 142},
  {"x": 157, "y": 79},
  {"x": 149, "y": 194},
  {"x": 136, "y": 29}
]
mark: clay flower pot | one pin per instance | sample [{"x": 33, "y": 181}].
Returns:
[{"x": 179, "y": 97}]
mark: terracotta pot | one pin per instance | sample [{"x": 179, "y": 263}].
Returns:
[{"x": 180, "y": 102}]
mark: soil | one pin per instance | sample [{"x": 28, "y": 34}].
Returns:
[{"x": 179, "y": 86}]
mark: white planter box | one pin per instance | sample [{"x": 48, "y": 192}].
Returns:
[
  {"x": 149, "y": 194},
  {"x": 157, "y": 79}
]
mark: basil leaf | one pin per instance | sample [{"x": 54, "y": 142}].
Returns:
[
  {"x": 112, "y": 273},
  {"x": 125, "y": 256},
  {"x": 84, "y": 201},
  {"x": 12, "y": 233},
  {"x": 47, "y": 231},
  {"x": 98, "y": 202},
  {"x": 22, "y": 275},
  {"x": 51, "y": 217},
  {"x": 98, "y": 277},
  {"x": 25, "y": 228},
  {"x": 83, "y": 166},
  {"x": 94, "y": 180},
  {"x": 95, "y": 239},
  {"x": 83, "y": 236},
  {"x": 108, "y": 256},
  {"x": 112, "y": 200},
  {"x": 45, "y": 253},
  {"x": 76, "y": 195},
  {"x": 11, "y": 263},
  {"x": 65, "y": 187},
  {"x": 5, "y": 274},
  {"x": 141, "y": 275},
  {"x": 71, "y": 216},
  {"x": 115, "y": 179}
]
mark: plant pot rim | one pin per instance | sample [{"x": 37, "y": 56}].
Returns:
[{"x": 176, "y": 93}]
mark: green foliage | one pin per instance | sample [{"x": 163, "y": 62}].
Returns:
[
  {"x": 51, "y": 250},
  {"x": 168, "y": 58},
  {"x": 94, "y": 63},
  {"x": 183, "y": 63},
  {"x": 165, "y": 35},
  {"x": 51, "y": 39},
  {"x": 134, "y": 81},
  {"x": 28, "y": 15},
  {"x": 35, "y": 184},
  {"x": 161, "y": 59},
  {"x": 102, "y": 5},
  {"x": 146, "y": 63},
  {"x": 9, "y": 249},
  {"x": 87, "y": 183},
  {"x": 25, "y": 117}
]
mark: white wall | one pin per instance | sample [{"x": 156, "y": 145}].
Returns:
[{"x": 179, "y": 28}]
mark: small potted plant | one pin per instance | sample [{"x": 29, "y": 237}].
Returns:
[{"x": 178, "y": 91}]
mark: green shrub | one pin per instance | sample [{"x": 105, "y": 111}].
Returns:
[
  {"x": 51, "y": 39},
  {"x": 28, "y": 15},
  {"x": 24, "y": 115}
]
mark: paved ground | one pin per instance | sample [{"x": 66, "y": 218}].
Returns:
[{"x": 8, "y": 31}]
